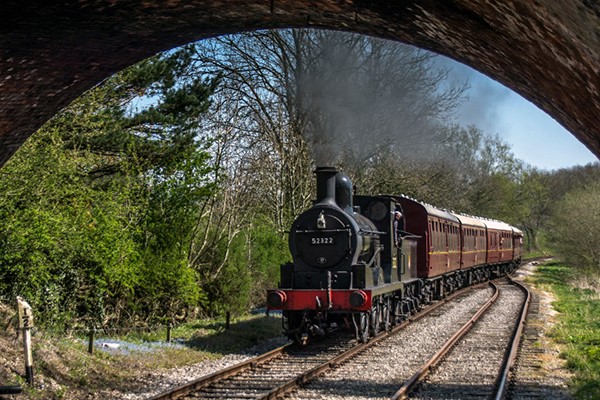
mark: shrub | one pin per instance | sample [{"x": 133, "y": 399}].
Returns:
[{"x": 576, "y": 229}]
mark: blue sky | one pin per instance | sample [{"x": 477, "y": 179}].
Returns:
[{"x": 536, "y": 138}]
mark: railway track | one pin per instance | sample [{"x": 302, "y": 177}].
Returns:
[
  {"x": 284, "y": 369},
  {"x": 477, "y": 364},
  {"x": 259, "y": 375},
  {"x": 483, "y": 376},
  {"x": 381, "y": 370},
  {"x": 375, "y": 370}
]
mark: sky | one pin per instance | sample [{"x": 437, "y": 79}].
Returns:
[{"x": 536, "y": 138}]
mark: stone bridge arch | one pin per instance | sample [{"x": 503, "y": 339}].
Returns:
[{"x": 546, "y": 50}]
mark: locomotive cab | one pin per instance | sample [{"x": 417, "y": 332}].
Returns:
[{"x": 398, "y": 257}]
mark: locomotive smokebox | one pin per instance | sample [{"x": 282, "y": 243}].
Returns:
[{"x": 326, "y": 185}]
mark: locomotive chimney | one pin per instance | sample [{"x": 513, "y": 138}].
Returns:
[{"x": 326, "y": 185}]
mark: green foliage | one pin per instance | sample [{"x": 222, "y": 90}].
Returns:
[
  {"x": 98, "y": 207},
  {"x": 63, "y": 244},
  {"x": 534, "y": 206},
  {"x": 242, "y": 271},
  {"x": 578, "y": 327},
  {"x": 576, "y": 228}
]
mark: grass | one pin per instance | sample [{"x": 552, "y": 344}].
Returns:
[
  {"x": 244, "y": 333},
  {"x": 578, "y": 326},
  {"x": 536, "y": 254},
  {"x": 211, "y": 335},
  {"x": 64, "y": 370}
]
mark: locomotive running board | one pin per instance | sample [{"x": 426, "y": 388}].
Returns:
[{"x": 386, "y": 288}]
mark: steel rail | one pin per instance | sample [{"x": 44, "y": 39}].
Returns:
[
  {"x": 511, "y": 352},
  {"x": 302, "y": 378},
  {"x": 220, "y": 375},
  {"x": 418, "y": 376}
]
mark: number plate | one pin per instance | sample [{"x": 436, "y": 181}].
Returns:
[{"x": 318, "y": 241}]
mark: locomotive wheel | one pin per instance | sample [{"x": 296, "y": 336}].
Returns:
[
  {"x": 375, "y": 319},
  {"x": 361, "y": 325},
  {"x": 397, "y": 311},
  {"x": 295, "y": 328},
  {"x": 387, "y": 322}
]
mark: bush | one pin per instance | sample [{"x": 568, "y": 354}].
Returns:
[
  {"x": 250, "y": 265},
  {"x": 576, "y": 229}
]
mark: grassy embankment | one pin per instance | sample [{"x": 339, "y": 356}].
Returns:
[
  {"x": 64, "y": 370},
  {"x": 578, "y": 324}
]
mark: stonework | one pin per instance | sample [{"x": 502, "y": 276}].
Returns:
[{"x": 546, "y": 50}]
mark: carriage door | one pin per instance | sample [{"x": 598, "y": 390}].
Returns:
[{"x": 446, "y": 245}]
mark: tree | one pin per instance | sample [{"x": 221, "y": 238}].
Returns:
[
  {"x": 89, "y": 237},
  {"x": 341, "y": 98},
  {"x": 258, "y": 96},
  {"x": 576, "y": 228},
  {"x": 535, "y": 203},
  {"x": 65, "y": 246}
]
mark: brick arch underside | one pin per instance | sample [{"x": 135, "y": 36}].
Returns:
[{"x": 547, "y": 50}]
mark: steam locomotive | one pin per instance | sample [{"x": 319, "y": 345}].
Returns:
[{"x": 369, "y": 262}]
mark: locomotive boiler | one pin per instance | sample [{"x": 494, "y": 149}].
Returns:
[{"x": 357, "y": 266}]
